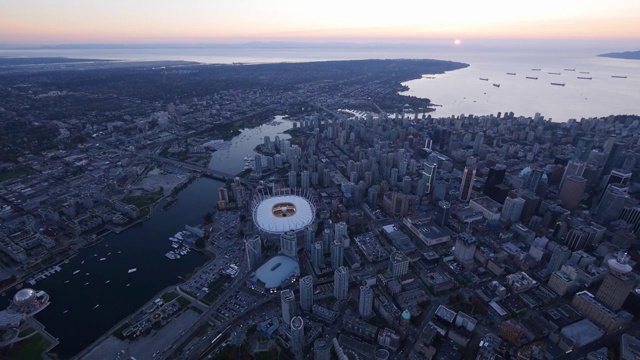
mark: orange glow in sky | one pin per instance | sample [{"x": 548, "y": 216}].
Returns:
[{"x": 86, "y": 21}]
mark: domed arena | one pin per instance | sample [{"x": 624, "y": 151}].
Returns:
[{"x": 284, "y": 210}]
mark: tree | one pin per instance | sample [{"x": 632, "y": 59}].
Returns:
[{"x": 208, "y": 218}]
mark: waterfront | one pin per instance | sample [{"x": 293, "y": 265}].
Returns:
[
  {"x": 142, "y": 247},
  {"x": 231, "y": 160}
]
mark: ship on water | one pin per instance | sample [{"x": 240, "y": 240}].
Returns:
[
  {"x": 532, "y": 77},
  {"x": 484, "y": 79},
  {"x": 496, "y": 85},
  {"x": 553, "y": 73},
  {"x": 536, "y": 69},
  {"x": 584, "y": 78},
  {"x": 511, "y": 73},
  {"x": 569, "y": 69},
  {"x": 618, "y": 76},
  {"x": 557, "y": 84}
]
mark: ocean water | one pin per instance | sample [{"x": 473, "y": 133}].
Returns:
[{"x": 457, "y": 92}]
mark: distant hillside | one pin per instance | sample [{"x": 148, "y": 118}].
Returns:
[{"x": 631, "y": 55}]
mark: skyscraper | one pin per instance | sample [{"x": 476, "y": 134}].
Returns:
[
  {"x": 317, "y": 257},
  {"x": 297, "y": 337},
  {"x": 617, "y": 285},
  {"x": 253, "y": 250},
  {"x": 309, "y": 237},
  {"x": 465, "y": 248},
  {"x": 287, "y": 305},
  {"x": 365, "y": 303},
  {"x": 512, "y": 209},
  {"x": 428, "y": 174},
  {"x": 288, "y": 244},
  {"x": 327, "y": 239},
  {"x": 340, "y": 230},
  {"x": 306, "y": 293},
  {"x": 305, "y": 180},
  {"x": 573, "y": 168},
  {"x": 321, "y": 349},
  {"x": 559, "y": 257},
  {"x": 468, "y": 176},
  {"x": 292, "y": 179},
  {"x": 341, "y": 283},
  {"x": 442, "y": 213},
  {"x": 337, "y": 254},
  {"x": 258, "y": 163},
  {"x": 572, "y": 190}
]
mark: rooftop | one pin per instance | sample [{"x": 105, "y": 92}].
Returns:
[
  {"x": 277, "y": 214},
  {"x": 276, "y": 270}
]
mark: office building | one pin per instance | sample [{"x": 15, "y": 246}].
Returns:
[
  {"x": 340, "y": 232},
  {"x": 442, "y": 213},
  {"x": 321, "y": 349},
  {"x": 617, "y": 285},
  {"x": 365, "y": 302},
  {"x": 512, "y": 209},
  {"x": 429, "y": 171},
  {"x": 398, "y": 264},
  {"x": 631, "y": 215},
  {"x": 317, "y": 257},
  {"x": 465, "y": 248},
  {"x": 292, "y": 179},
  {"x": 306, "y": 293},
  {"x": 560, "y": 255},
  {"x": 341, "y": 283},
  {"x": 466, "y": 185},
  {"x": 309, "y": 237},
  {"x": 287, "y": 305},
  {"x": 573, "y": 168},
  {"x": 572, "y": 190}
]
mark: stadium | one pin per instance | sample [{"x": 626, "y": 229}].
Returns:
[{"x": 284, "y": 210}]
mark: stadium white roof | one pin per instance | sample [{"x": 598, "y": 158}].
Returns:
[{"x": 267, "y": 221}]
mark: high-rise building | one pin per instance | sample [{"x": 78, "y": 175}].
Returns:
[
  {"x": 337, "y": 254},
  {"x": 572, "y": 190},
  {"x": 309, "y": 237},
  {"x": 305, "y": 180},
  {"x": 429, "y": 171},
  {"x": 613, "y": 201},
  {"x": 287, "y": 305},
  {"x": 512, "y": 209},
  {"x": 327, "y": 239},
  {"x": 617, "y": 285},
  {"x": 583, "y": 149},
  {"x": 321, "y": 349},
  {"x": 494, "y": 179},
  {"x": 465, "y": 248},
  {"x": 297, "y": 337},
  {"x": 341, "y": 283},
  {"x": 631, "y": 215},
  {"x": 317, "y": 257},
  {"x": 394, "y": 177},
  {"x": 365, "y": 303},
  {"x": 577, "y": 238},
  {"x": 340, "y": 231},
  {"x": 258, "y": 163},
  {"x": 466, "y": 186},
  {"x": 559, "y": 257},
  {"x": 292, "y": 179},
  {"x": 398, "y": 263},
  {"x": 573, "y": 168},
  {"x": 253, "y": 249},
  {"x": 306, "y": 293},
  {"x": 442, "y": 213},
  {"x": 289, "y": 244},
  {"x": 223, "y": 194},
  {"x": 614, "y": 157}
]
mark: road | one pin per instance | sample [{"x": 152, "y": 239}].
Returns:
[{"x": 193, "y": 167}]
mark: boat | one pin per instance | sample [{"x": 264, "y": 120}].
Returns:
[
  {"x": 82, "y": 262},
  {"x": 108, "y": 254},
  {"x": 484, "y": 79},
  {"x": 86, "y": 274},
  {"x": 75, "y": 272},
  {"x": 618, "y": 76},
  {"x": 496, "y": 85},
  {"x": 553, "y": 73},
  {"x": 108, "y": 281},
  {"x": 511, "y": 73},
  {"x": 173, "y": 239},
  {"x": 132, "y": 270},
  {"x": 87, "y": 283},
  {"x": 95, "y": 307},
  {"x": 569, "y": 69},
  {"x": 66, "y": 311},
  {"x": 532, "y": 77},
  {"x": 558, "y": 84},
  {"x": 584, "y": 78},
  {"x": 119, "y": 252},
  {"x": 170, "y": 255},
  {"x": 175, "y": 245},
  {"x": 66, "y": 281},
  {"x": 584, "y": 72},
  {"x": 127, "y": 285},
  {"x": 536, "y": 69},
  {"x": 103, "y": 259}
]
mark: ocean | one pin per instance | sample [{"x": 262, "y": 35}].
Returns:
[{"x": 456, "y": 92}]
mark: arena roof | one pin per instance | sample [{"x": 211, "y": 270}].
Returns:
[
  {"x": 278, "y": 214},
  {"x": 275, "y": 271}
]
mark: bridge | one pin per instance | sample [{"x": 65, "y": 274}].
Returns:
[{"x": 216, "y": 174}]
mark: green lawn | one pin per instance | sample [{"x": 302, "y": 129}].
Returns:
[
  {"x": 26, "y": 332},
  {"x": 141, "y": 201},
  {"x": 183, "y": 302},
  {"x": 168, "y": 296},
  {"x": 31, "y": 348},
  {"x": 13, "y": 174}
]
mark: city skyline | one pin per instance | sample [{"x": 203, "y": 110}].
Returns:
[{"x": 76, "y": 22}]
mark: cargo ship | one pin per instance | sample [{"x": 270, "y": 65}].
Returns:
[
  {"x": 584, "y": 78},
  {"x": 484, "y": 79},
  {"x": 532, "y": 77},
  {"x": 558, "y": 84},
  {"x": 511, "y": 73},
  {"x": 554, "y": 73},
  {"x": 496, "y": 85},
  {"x": 618, "y": 77}
]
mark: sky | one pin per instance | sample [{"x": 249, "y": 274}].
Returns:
[{"x": 31, "y": 22}]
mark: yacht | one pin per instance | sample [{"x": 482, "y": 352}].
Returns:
[
  {"x": 558, "y": 84},
  {"x": 66, "y": 281},
  {"x": 496, "y": 85},
  {"x": 532, "y": 77},
  {"x": 75, "y": 272},
  {"x": 511, "y": 73},
  {"x": 103, "y": 259},
  {"x": 127, "y": 285},
  {"x": 87, "y": 283},
  {"x": 95, "y": 307},
  {"x": 536, "y": 69},
  {"x": 132, "y": 270},
  {"x": 569, "y": 69},
  {"x": 108, "y": 281},
  {"x": 554, "y": 73},
  {"x": 484, "y": 79},
  {"x": 66, "y": 311},
  {"x": 618, "y": 77},
  {"x": 584, "y": 77}
]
